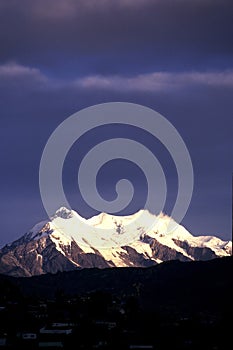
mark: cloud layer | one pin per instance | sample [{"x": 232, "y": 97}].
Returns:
[
  {"x": 159, "y": 81},
  {"x": 149, "y": 82}
]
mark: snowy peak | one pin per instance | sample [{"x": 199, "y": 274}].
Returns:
[
  {"x": 63, "y": 213},
  {"x": 69, "y": 241},
  {"x": 104, "y": 220}
]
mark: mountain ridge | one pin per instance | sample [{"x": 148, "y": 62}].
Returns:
[{"x": 68, "y": 242}]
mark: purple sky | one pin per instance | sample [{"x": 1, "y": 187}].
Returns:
[{"x": 58, "y": 56}]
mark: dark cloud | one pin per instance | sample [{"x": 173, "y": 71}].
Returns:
[{"x": 56, "y": 33}]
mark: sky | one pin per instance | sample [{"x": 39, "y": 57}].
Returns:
[{"x": 60, "y": 56}]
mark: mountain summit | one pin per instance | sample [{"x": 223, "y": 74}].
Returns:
[{"x": 67, "y": 242}]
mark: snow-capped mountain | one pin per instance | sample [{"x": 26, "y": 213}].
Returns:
[{"x": 67, "y": 241}]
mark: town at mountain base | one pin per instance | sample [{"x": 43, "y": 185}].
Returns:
[{"x": 174, "y": 305}]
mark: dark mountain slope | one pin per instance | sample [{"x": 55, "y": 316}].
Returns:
[{"x": 188, "y": 284}]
